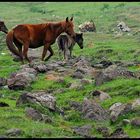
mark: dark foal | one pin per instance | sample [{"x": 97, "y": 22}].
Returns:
[{"x": 66, "y": 44}]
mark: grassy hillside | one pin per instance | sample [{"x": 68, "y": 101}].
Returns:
[{"x": 124, "y": 48}]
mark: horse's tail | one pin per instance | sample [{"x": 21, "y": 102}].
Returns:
[{"x": 9, "y": 42}]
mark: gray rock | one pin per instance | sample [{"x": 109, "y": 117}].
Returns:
[
  {"x": 125, "y": 121},
  {"x": 100, "y": 95},
  {"x": 3, "y": 81},
  {"x": 119, "y": 109},
  {"x": 135, "y": 122},
  {"x": 75, "y": 105},
  {"x": 77, "y": 75},
  {"x": 22, "y": 78},
  {"x": 41, "y": 68},
  {"x": 33, "y": 114},
  {"x": 85, "y": 82},
  {"x": 104, "y": 131},
  {"x": 83, "y": 130},
  {"x": 46, "y": 119},
  {"x": 39, "y": 97},
  {"x": 119, "y": 133},
  {"x": 93, "y": 111},
  {"x": 111, "y": 73},
  {"x": 87, "y": 27},
  {"x": 14, "y": 132},
  {"x": 136, "y": 103}
]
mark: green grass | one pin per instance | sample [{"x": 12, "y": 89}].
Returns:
[{"x": 97, "y": 46}]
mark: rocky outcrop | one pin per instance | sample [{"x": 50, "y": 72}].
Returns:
[
  {"x": 112, "y": 72},
  {"x": 93, "y": 111},
  {"x": 41, "y": 98}
]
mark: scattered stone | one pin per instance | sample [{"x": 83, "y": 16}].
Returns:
[
  {"x": 104, "y": 131},
  {"x": 14, "y": 132},
  {"x": 85, "y": 82},
  {"x": 87, "y": 27},
  {"x": 125, "y": 121},
  {"x": 41, "y": 68},
  {"x": 46, "y": 119},
  {"x": 3, "y": 136},
  {"x": 21, "y": 79},
  {"x": 40, "y": 97},
  {"x": 83, "y": 130},
  {"x": 103, "y": 64},
  {"x": 76, "y": 105},
  {"x": 111, "y": 73},
  {"x": 123, "y": 27},
  {"x": 135, "y": 122},
  {"x": 118, "y": 109},
  {"x": 136, "y": 103},
  {"x": 93, "y": 111},
  {"x": 119, "y": 133},
  {"x": 3, "y": 104},
  {"x": 3, "y": 81},
  {"x": 77, "y": 75},
  {"x": 101, "y": 95},
  {"x": 75, "y": 85},
  {"x": 33, "y": 114}
]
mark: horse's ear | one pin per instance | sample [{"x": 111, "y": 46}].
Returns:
[
  {"x": 71, "y": 19},
  {"x": 67, "y": 19}
]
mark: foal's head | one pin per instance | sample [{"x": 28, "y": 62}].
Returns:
[
  {"x": 3, "y": 27},
  {"x": 79, "y": 39},
  {"x": 69, "y": 27}
]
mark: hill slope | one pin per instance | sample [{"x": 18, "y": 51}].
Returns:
[{"x": 104, "y": 45}]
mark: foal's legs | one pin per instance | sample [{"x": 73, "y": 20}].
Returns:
[{"x": 66, "y": 54}]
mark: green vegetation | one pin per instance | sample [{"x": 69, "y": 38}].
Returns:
[{"x": 125, "y": 48}]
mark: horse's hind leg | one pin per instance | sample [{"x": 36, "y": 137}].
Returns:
[
  {"x": 51, "y": 53},
  {"x": 25, "y": 51},
  {"x": 19, "y": 46}
]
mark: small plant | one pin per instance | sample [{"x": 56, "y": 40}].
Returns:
[{"x": 105, "y": 6}]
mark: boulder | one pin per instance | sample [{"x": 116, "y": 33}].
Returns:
[
  {"x": 87, "y": 27},
  {"x": 119, "y": 109},
  {"x": 100, "y": 95},
  {"x": 33, "y": 114},
  {"x": 104, "y": 131},
  {"x": 3, "y": 81},
  {"x": 123, "y": 27},
  {"x": 14, "y": 132},
  {"x": 118, "y": 133},
  {"x": 135, "y": 122},
  {"x": 111, "y": 73},
  {"x": 93, "y": 111},
  {"x": 22, "y": 78},
  {"x": 83, "y": 130},
  {"x": 39, "y": 97}
]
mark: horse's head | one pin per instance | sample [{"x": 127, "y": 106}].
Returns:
[
  {"x": 79, "y": 39},
  {"x": 3, "y": 27},
  {"x": 69, "y": 27}
]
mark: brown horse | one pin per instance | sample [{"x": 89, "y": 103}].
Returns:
[
  {"x": 37, "y": 35},
  {"x": 3, "y": 27}
]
